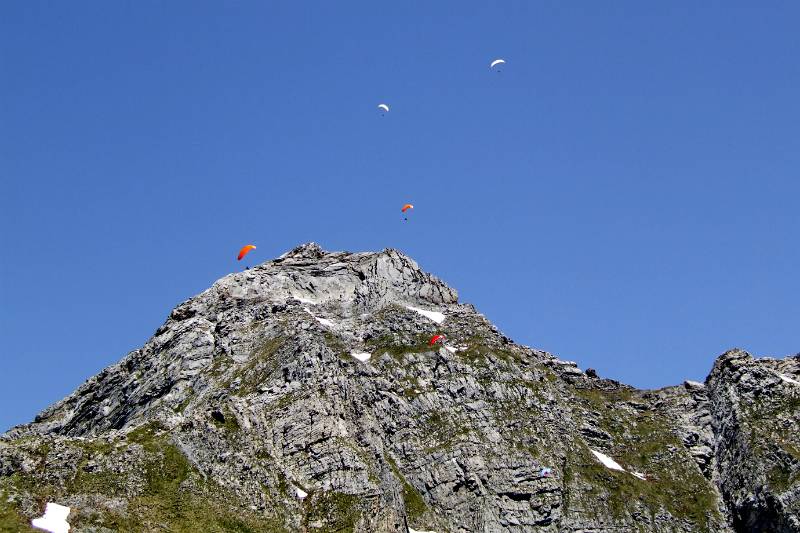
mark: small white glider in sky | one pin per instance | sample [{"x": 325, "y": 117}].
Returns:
[
  {"x": 497, "y": 62},
  {"x": 384, "y": 107}
]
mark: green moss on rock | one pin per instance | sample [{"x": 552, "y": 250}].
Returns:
[
  {"x": 641, "y": 439},
  {"x": 166, "y": 494},
  {"x": 11, "y": 521},
  {"x": 412, "y": 500},
  {"x": 388, "y": 344},
  {"x": 336, "y": 512},
  {"x": 263, "y": 363}
]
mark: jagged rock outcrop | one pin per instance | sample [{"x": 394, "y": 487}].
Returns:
[
  {"x": 302, "y": 395},
  {"x": 756, "y": 417}
]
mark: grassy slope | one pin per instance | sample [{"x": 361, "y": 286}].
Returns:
[{"x": 171, "y": 496}]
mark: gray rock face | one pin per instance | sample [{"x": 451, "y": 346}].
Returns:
[
  {"x": 756, "y": 414},
  {"x": 255, "y": 408}
]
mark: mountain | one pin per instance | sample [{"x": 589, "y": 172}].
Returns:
[{"x": 303, "y": 395}]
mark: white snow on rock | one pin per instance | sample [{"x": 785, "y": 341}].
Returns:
[
  {"x": 54, "y": 519},
  {"x": 300, "y": 493},
  {"x": 456, "y": 348},
  {"x": 787, "y": 379},
  {"x": 361, "y": 356},
  {"x": 607, "y": 461},
  {"x": 304, "y": 300},
  {"x": 323, "y": 321},
  {"x": 436, "y": 316},
  {"x": 412, "y": 530}
]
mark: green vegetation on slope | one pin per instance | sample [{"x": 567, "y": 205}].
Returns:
[
  {"x": 262, "y": 363},
  {"x": 337, "y": 512},
  {"x": 388, "y": 344},
  {"x": 772, "y": 442},
  {"x": 412, "y": 500},
  {"x": 171, "y": 495},
  {"x": 10, "y": 519},
  {"x": 644, "y": 441},
  {"x": 477, "y": 350}
]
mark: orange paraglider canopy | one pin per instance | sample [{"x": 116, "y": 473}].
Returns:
[
  {"x": 407, "y": 207},
  {"x": 435, "y": 339},
  {"x": 244, "y": 251}
]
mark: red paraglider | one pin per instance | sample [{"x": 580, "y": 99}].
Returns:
[
  {"x": 406, "y": 208},
  {"x": 244, "y": 251},
  {"x": 435, "y": 339}
]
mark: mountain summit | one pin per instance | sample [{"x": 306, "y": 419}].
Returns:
[{"x": 304, "y": 395}]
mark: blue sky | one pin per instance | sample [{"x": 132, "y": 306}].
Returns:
[{"x": 623, "y": 194}]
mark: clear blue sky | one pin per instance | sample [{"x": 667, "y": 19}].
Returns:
[{"x": 624, "y": 194}]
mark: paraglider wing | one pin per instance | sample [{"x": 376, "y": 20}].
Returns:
[
  {"x": 244, "y": 251},
  {"x": 435, "y": 339},
  {"x": 407, "y": 207},
  {"x": 497, "y": 62},
  {"x": 384, "y": 107}
]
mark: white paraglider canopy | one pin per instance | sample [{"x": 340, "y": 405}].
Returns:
[
  {"x": 384, "y": 107},
  {"x": 497, "y": 62}
]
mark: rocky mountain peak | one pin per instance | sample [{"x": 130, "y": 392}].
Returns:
[
  {"x": 357, "y": 282},
  {"x": 732, "y": 358},
  {"x": 309, "y": 250},
  {"x": 305, "y": 394}
]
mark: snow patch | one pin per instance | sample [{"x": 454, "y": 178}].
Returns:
[
  {"x": 787, "y": 379},
  {"x": 607, "y": 461},
  {"x": 412, "y": 530},
  {"x": 300, "y": 493},
  {"x": 361, "y": 356},
  {"x": 304, "y": 300},
  {"x": 54, "y": 519},
  {"x": 323, "y": 321},
  {"x": 613, "y": 465},
  {"x": 456, "y": 348},
  {"x": 436, "y": 316}
]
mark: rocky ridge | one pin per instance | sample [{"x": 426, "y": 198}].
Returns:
[{"x": 302, "y": 395}]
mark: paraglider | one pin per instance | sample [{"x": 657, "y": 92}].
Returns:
[
  {"x": 497, "y": 62},
  {"x": 244, "y": 251},
  {"x": 406, "y": 208},
  {"x": 383, "y": 107},
  {"x": 435, "y": 339}
]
